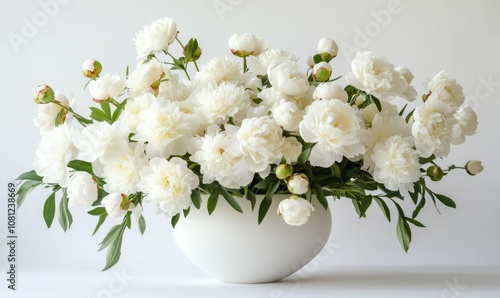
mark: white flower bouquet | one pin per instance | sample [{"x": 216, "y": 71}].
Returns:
[{"x": 255, "y": 123}]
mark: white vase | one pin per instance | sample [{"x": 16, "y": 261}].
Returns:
[{"x": 232, "y": 247}]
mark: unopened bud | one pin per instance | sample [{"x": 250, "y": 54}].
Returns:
[
  {"x": 91, "y": 68},
  {"x": 43, "y": 94},
  {"x": 284, "y": 171},
  {"x": 327, "y": 49},
  {"x": 474, "y": 167},
  {"x": 298, "y": 184},
  {"x": 435, "y": 173},
  {"x": 322, "y": 71}
]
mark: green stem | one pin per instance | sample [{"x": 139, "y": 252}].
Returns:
[
  {"x": 114, "y": 102},
  {"x": 79, "y": 117},
  {"x": 245, "y": 64}
]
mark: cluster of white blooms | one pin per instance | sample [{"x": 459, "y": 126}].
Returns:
[{"x": 229, "y": 125}]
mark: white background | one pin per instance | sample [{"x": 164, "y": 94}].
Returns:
[{"x": 459, "y": 246}]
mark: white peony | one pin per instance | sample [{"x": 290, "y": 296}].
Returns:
[
  {"x": 292, "y": 149},
  {"x": 335, "y": 128},
  {"x": 259, "y": 65},
  {"x": 246, "y": 44},
  {"x": 286, "y": 77},
  {"x": 432, "y": 128},
  {"x": 383, "y": 126},
  {"x": 48, "y": 113},
  {"x": 101, "y": 141},
  {"x": 168, "y": 184},
  {"x": 131, "y": 115},
  {"x": 113, "y": 204},
  {"x": 156, "y": 37},
  {"x": 371, "y": 111},
  {"x": 446, "y": 89},
  {"x": 122, "y": 173},
  {"x": 287, "y": 115},
  {"x": 396, "y": 164},
  {"x": 261, "y": 141},
  {"x": 82, "y": 190},
  {"x": 271, "y": 97},
  {"x": 298, "y": 184},
  {"x": 295, "y": 211},
  {"x": 330, "y": 91},
  {"x": 220, "y": 159},
  {"x": 106, "y": 87},
  {"x": 166, "y": 129},
  {"x": 409, "y": 91},
  {"x": 148, "y": 77},
  {"x": 219, "y": 69},
  {"x": 179, "y": 91},
  {"x": 220, "y": 103},
  {"x": 474, "y": 167},
  {"x": 54, "y": 152},
  {"x": 466, "y": 124},
  {"x": 376, "y": 76}
]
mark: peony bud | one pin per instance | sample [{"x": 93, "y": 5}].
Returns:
[
  {"x": 327, "y": 49},
  {"x": 473, "y": 167},
  {"x": 295, "y": 210},
  {"x": 43, "y": 94},
  {"x": 246, "y": 44},
  {"x": 113, "y": 203},
  {"x": 322, "y": 71},
  {"x": 435, "y": 173},
  {"x": 298, "y": 184},
  {"x": 91, "y": 68},
  {"x": 284, "y": 171}
]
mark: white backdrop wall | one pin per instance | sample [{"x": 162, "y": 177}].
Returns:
[{"x": 46, "y": 41}]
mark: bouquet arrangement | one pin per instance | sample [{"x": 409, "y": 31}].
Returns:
[{"x": 258, "y": 122}]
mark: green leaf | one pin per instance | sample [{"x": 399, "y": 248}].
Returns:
[
  {"x": 212, "y": 200},
  {"x": 196, "y": 199},
  {"x": 383, "y": 206},
  {"x": 118, "y": 111},
  {"x": 263, "y": 208},
  {"x": 99, "y": 115},
  {"x": 419, "y": 207},
  {"x": 31, "y": 175},
  {"x": 446, "y": 200},
  {"x": 142, "y": 224},
  {"x": 319, "y": 195},
  {"x": 304, "y": 156},
  {"x": 403, "y": 110},
  {"x": 186, "y": 211},
  {"x": 126, "y": 221},
  {"x": 101, "y": 220},
  {"x": 230, "y": 199},
  {"x": 175, "y": 219},
  {"x": 268, "y": 199},
  {"x": 376, "y": 101},
  {"x": 97, "y": 211},
  {"x": 250, "y": 195},
  {"x": 414, "y": 222},
  {"x": 335, "y": 170},
  {"x": 365, "y": 204},
  {"x": 106, "y": 108},
  {"x": 317, "y": 58},
  {"x": 80, "y": 165},
  {"x": 424, "y": 160},
  {"x": 266, "y": 183},
  {"x": 110, "y": 237},
  {"x": 25, "y": 188},
  {"x": 49, "y": 209},
  {"x": 404, "y": 233},
  {"x": 408, "y": 117},
  {"x": 64, "y": 215},
  {"x": 114, "y": 251}
]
